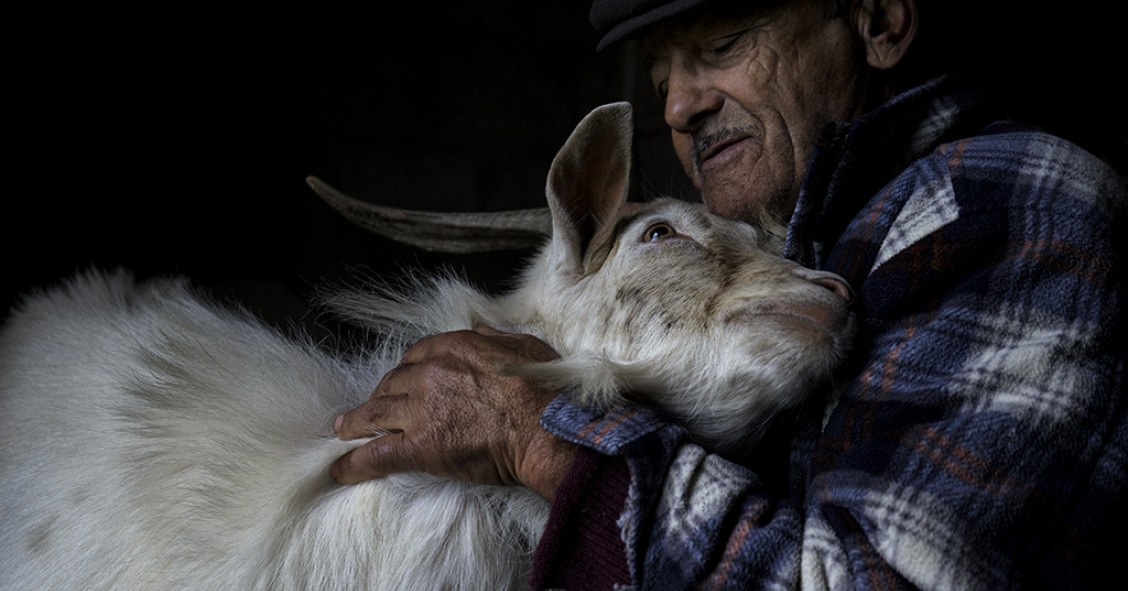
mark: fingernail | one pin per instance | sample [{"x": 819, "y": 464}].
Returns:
[{"x": 340, "y": 420}]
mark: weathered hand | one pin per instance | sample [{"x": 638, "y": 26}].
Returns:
[{"x": 449, "y": 411}]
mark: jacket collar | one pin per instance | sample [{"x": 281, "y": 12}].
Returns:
[{"x": 853, "y": 160}]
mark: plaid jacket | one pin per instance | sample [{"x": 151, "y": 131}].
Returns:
[{"x": 979, "y": 439}]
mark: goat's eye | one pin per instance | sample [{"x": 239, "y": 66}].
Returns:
[{"x": 658, "y": 231}]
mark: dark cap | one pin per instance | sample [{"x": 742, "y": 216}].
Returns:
[{"x": 618, "y": 19}]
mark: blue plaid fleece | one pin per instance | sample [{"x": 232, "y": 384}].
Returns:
[{"x": 979, "y": 437}]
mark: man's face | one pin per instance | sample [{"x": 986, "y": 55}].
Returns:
[{"x": 745, "y": 95}]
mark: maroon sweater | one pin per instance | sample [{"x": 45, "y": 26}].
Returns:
[{"x": 581, "y": 547}]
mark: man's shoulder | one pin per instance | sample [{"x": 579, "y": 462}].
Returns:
[
  {"x": 1016, "y": 163},
  {"x": 1007, "y": 146},
  {"x": 1008, "y": 180}
]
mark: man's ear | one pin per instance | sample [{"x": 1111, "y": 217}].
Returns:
[{"x": 887, "y": 28}]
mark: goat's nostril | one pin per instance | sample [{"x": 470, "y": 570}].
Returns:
[
  {"x": 837, "y": 286},
  {"x": 834, "y": 283}
]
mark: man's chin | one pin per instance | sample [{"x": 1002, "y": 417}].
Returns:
[
  {"x": 750, "y": 206},
  {"x": 734, "y": 208}
]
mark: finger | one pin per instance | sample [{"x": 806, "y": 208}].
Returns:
[
  {"x": 381, "y": 414},
  {"x": 375, "y": 459},
  {"x": 435, "y": 346}
]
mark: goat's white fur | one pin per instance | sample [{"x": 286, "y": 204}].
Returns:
[{"x": 151, "y": 439}]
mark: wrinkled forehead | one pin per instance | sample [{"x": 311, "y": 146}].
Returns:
[{"x": 707, "y": 22}]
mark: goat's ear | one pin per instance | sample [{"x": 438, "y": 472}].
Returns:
[{"x": 588, "y": 184}]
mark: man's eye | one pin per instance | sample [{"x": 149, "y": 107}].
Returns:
[
  {"x": 662, "y": 88},
  {"x": 724, "y": 44}
]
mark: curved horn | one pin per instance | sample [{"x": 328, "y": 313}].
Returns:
[{"x": 452, "y": 232}]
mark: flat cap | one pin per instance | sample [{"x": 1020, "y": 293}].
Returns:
[{"x": 618, "y": 19}]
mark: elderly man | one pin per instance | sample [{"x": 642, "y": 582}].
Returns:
[{"x": 978, "y": 438}]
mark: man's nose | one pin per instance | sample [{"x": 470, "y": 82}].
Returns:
[{"x": 690, "y": 99}]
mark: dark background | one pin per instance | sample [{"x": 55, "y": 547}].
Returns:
[{"x": 172, "y": 142}]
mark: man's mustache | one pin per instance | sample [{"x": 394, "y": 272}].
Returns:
[{"x": 706, "y": 145}]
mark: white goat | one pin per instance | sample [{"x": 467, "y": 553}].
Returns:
[{"x": 151, "y": 439}]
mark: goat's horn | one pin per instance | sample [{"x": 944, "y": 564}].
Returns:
[{"x": 453, "y": 232}]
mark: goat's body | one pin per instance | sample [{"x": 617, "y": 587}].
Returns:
[{"x": 153, "y": 440}]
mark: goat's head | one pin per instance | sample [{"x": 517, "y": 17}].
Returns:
[
  {"x": 663, "y": 300},
  {"x": 692, "y": 311}
]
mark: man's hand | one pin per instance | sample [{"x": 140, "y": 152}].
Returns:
[{"x": 448, "y": 410}]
